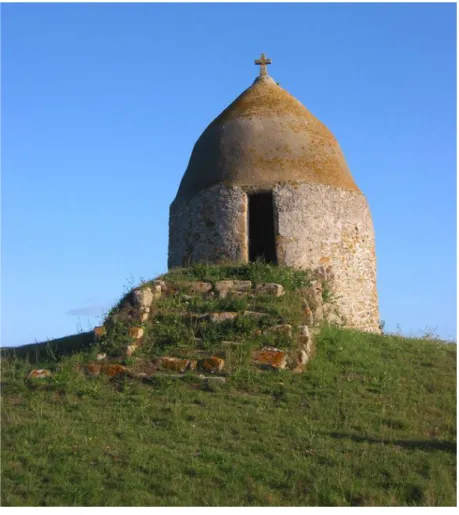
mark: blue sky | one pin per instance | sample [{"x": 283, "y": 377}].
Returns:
[{"x": 102, "y": 104}]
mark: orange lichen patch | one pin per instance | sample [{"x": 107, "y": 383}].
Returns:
[
  {"x": 110, "y": 370},
  {"x": 99, "y": 332},
  {"x": 271, "y": 357},
  {"x": 90, "y": 369},
  {"x": 113, "y": 370},
  {"x": 39, "y": 374},
  {"x": 324, "y": 260},
  {"x": 175, "y": 364},
  {"x": 212, "y": 364}
]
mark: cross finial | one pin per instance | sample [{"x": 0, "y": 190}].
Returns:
[{"x": 262, "y": 62}]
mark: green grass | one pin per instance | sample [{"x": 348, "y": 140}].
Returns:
[
  {"x": 371, "y": 422},
  {"x": 257, "y": 272},
  {"x": 168, "y": 330}
]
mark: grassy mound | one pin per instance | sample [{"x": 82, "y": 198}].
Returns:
[
  {"x": 174, "y": 325},
  {"x": 372, "y": 422}
]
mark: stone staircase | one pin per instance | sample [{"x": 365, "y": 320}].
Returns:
[{"x": 142, "y": 308}]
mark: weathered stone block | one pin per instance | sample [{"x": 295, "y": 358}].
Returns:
[
  {"x": 270, "y": 289},
  {"x": 143, "y": 298},
  {"x": 130, "y": 350},
  {"x": 281, "y": 329},
  {"x": 162, "y": 285},
  {"x": 90, "y": 369},
  {"x": 137, "y": 375},
  {"x": 309, "y": 316},
  {"x": 303, "y": 330},
  {"x": 136, "y": 332},
  {"x": 99, "y": 332},
  {"x": 218, "y": 318},
  {"x": 113, "y": 370},
  {"x": 110, "y": 370},
  {"x": 211, "y": 365},
  {"x": 305, "y": 339},
  {"x": 145, "y": 315},
  {"x": 314, "y": 295},
  {"x": 175, "y": 364},
  {"x": 233, "y": 285},
  {"x": 271, "y": 357},
  {"x": 39, "y": 373},
  {"x": 255, "y": 314},
  {"x": 197, "y": 287},
  {"x": 303, "y": 357},
  {"x": 215, "y": 379},
  {"x": 196, "y": 316}
]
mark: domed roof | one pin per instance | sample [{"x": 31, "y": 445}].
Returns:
[{"x": 263, "y": 138}]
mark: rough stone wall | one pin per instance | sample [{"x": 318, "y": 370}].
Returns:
[
  {"x": 317, "y": 226},
  {"x": 324, "y": 226},
  {"x": 211, "y": 227}
]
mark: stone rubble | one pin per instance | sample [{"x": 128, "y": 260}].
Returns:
[
  {"x": 136, "y": 332},
  {"x": 99, "y": 332},
  {"x": 131, "y": 349},
  {"x": 225, "y": 287},
  {"x": 254, "y": 314},
  {"x": 271, "y": 357},
  {"x": 39, "y": 373},
  {"x": 197, "y": 287},
  {"x": 270, "y": 289},
  {"x": 223, "y": 316},
  {"x": 211, "y": 365},
  {"x": 281, "y": 329},
  {"x": 94, "y": 370}
]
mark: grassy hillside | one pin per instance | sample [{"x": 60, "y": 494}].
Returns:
[{"x": 371, "y": 422}]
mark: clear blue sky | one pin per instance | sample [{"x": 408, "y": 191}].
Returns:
[{"x": 102, "y": 104}]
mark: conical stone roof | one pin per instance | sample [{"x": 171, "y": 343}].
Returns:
[{"x": 265, "y": 137}]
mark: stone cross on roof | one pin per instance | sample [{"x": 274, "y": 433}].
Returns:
[{"x": 262, "y": 62}]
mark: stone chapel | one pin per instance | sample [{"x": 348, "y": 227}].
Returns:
[{"x": 267, "y": 180}]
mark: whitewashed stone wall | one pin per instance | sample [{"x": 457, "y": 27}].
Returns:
[
  {"x": 317, "y": 226},
  {"x": 211, "y": 227},
  {"x": 324, "y": 226}
]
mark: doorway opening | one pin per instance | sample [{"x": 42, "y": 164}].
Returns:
[{"x": 262, "y": 243}]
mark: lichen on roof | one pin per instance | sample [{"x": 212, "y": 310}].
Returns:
[
  {"x": 263, "y": 98},
  {"x": 265, "y": 136}
]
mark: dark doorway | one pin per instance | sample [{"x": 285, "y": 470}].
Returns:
[{"x": 262, "y": 245}]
